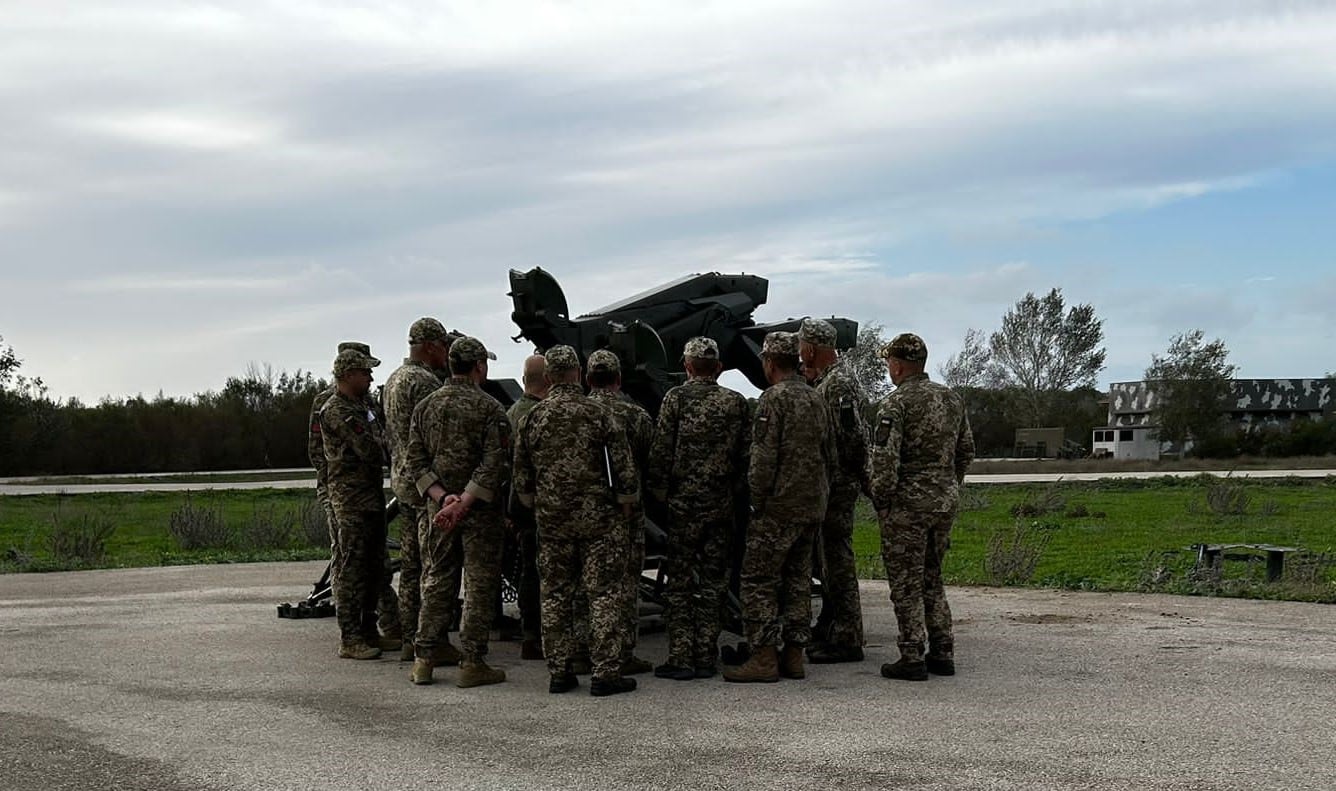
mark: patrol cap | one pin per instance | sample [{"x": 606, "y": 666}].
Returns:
[
  {"x": 701, "y": 348},
  {"x": 427, "y": 329},
  {"x": 469, "y": 350},
  {"x": 817, "y": 332},
  {"x": 906, "y": 346},
  {"x": 604, "y": 361},
  {"x": 353, "y": 360},
  {"x": 561, "y": 358},
  {"x": 783, "y": 343},
  {"x": 361, "y": 347}
]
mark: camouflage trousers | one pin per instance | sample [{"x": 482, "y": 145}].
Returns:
[
  {"x": 697, "y": 570},
  {"x": 841, "y": 619},
  {"x": 410, "y": 568},
  {"x": 912, "y": 546},
  {"x": 530, "y": 596},
  {"x": 598, "y": 564},
  {"x": 776, "y": 587},
  {"x": 360, "y": 570},
  {"x": 387, "y": 604},
  {"x": 471, "y": 552},
  {"x": 635, "y": 562}
]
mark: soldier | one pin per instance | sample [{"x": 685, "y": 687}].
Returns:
[
  {"x": 354, "y": 469},
  {"x": 605, "y": 384},
  {"x": 574, "y": 466},
  {"x": 698, "y": 468},
  {"x": 531, "y": 646},
  {"x": 793, "y": 451},
  {"x": 840, "y": 627},
  {"x": 459, "y": 446},
  {"x": 921, "y": 447},
  {"x": 386, "y": 601},
  {"x": 418, "y": 377}
]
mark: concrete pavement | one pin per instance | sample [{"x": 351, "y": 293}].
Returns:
[{"x": 183, "y": 678}]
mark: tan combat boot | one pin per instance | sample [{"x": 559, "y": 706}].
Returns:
[
  {"x": 422, "y": 671},
  {"x": 763, "y": 666},
  {"x": 791, "y": 662},
  {"x": 390, "y": 641},
  {"x": 357, "y": 649},
  {"x": 477, "y": 673}
]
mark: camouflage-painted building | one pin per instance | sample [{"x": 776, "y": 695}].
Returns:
[{"x": 1131, "y": 432}]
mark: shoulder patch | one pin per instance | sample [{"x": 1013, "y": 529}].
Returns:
[{"x": 884, "y": 430}]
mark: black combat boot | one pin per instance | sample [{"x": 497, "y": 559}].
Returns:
[
  {"x": 674, "y": 672},
  {"x": 940, "y": 660},
  {"x": 832, "y": 653},
  {"x": 562, "y": 682},
  {"x": 905, "y": 670},
  {"x": 602, "y": 687}
]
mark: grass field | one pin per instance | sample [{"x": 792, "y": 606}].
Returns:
[{"x": 1102, "y": 535}]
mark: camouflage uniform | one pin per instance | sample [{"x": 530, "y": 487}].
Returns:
[
  {"x": 639, "y": 428},
  {"x": 697, "y": 465},
  {"x": 530, "y": 604},
  {"x": 315, "y": 451},
  {"x": 460, "y": 439},
  {"x": 567, "y": 450},
  {"x": 921, "y": 448},
  {"x": 404, "y": 389},
  {"x": 841, "y": 610},
  {"x": 793, "y": 451},
  {"x": 354, "y": 446}
]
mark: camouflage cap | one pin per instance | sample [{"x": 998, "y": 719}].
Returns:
[
  {"x": 353, "y": 360},
  {"x": 469, "y": 350},
  {"x": 604, "y": 360},
  {"x": 906, "y": 346},
  {"x": 701, "y": 348},
  {"x": 817, "y": 332},
  {"x": 361, "y": 347},
  {"x": 427, "y": 329},
  {"x": 785, "y": 343},
  {"x": 561, "y": 358}
]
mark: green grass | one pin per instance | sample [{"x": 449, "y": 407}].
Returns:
[
  {"x": 1141, "y": 542},
  {"x": 220, "y": 477}
]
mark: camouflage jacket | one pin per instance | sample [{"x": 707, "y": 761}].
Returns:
[
  {"x": 460, "y": 438},
  {"x": 701, "y": 446},
  {"x": 521, "y": 408},
  {"x": 792, "y": 453},
  {"x": 404, "y": 390},
  {"x": 634, "y": 420},
  {"x": 566, "y": 450},
  {"x": 354, "y": 445},
  {"x": 921, "y": 447},
  {"x": 838, "y": 388},
  {"x": 315, "y": 444}
]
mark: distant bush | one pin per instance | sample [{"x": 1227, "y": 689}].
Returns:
[
  {"x": 312, "y": 525},
  {"x": 199, "y": 527},
  {"x": 972, "y": 498},
  {"x": 267, "y": 528},
  {"x": 1013, "y": 555},
  {"x": 80, "y": 538},
  {"x": 1048, "y": 501}
]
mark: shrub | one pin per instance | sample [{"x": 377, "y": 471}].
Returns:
[
  {"x": 81, "y": 538},
  {"x": 312, "y": 525},
  {"x": 972, "y": 498},
  {"x": 200, "y": 527},
  {"x": 1048, "y": 501},
  {"x": 267, "y": 529},
  {"x": 1013, "y": 555},
  {"x": 1227, "y": 499}
]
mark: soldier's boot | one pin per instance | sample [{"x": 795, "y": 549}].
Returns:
[
  {"x": 905, "y": 670},
  {"x": 475, "y": 672},
  {"x": 357, "y": 649},
  {"x": 603, "y": 687},
  {"x": 444, "y": 654},
  {"x": 633, "y": 665},
  {"x": 562, "y": 682},
  {"x": 941, "y": 660},
  {"x": 791, "y": 662},
  {"x": 581, "y": 666},
  {"x": 675, "y": 671},
  {"x": 762, "y": 666},
  {"x": 422, "y": 671},
  {"x": 831, "y": 653},
  {"x": 531, "y": 649},
  {"x": 391, "y": 640},
  {"x": 406, "y": 652}
]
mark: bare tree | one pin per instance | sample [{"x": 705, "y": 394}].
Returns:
[
  {"x": 973, "y": 366},
  {"x": 1191, "y": 383},
  {"x": 1043, "y": 349}
]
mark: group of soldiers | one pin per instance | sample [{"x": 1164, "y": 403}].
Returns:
[{"x": 567, "y": 474}]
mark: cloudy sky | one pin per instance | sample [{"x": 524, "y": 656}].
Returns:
[{"x": 187, "y": 188}]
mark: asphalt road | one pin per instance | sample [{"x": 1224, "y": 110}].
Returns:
[
  {"x": 18, "y": 486},
  {"x": 182, "y": 678}
]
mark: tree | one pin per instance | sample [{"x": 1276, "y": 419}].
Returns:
[
  {"x": 973, "y": 366},
  {"x": 1042, "y": 350},
  {"x": 866, "y": 364},
  {"x": 1191, "y": 385},
  {"x": 9, "y": 363}
]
